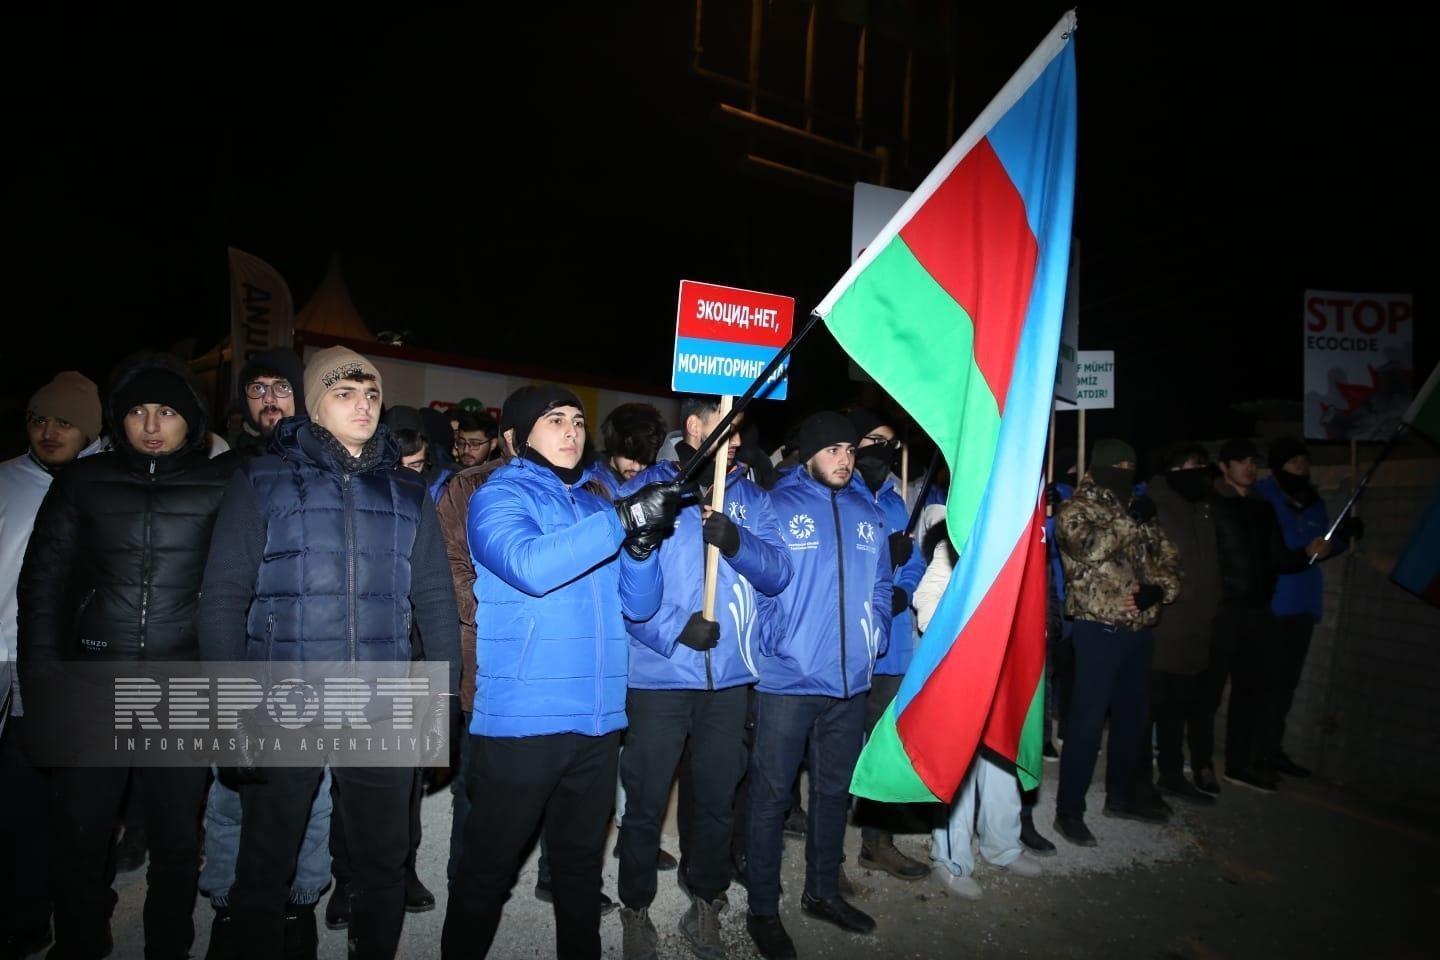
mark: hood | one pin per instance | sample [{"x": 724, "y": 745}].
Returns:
[{"x": 197, "y": 419}]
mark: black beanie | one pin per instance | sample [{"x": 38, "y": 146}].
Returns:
[
  {"x": 821, "y": 430},
  {"x": 534, "y": 405},
  {"x": 511, "y": 405},
  {"x": 159, "y": 385},
  {"x": 404, "y": 418},
  {"x": 1282, "y": 450},
  {"x": 866, "y": 420},
  {"x": 276, "y": 363}
]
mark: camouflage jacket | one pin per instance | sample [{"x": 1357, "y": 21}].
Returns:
[{"x": 1106, "y": 555}]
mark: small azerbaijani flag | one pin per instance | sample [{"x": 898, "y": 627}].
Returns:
[
  {"x": 1418, "y": 569},
  {"x": 955, "y": 309}
]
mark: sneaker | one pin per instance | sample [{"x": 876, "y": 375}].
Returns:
[
  {"x": 770, "y": 938},
  {"x": 1206, "y": 782},
  {"x": 883, "y": 855},
  {"x": 1074, "y": 830},
  {"x": 701, "y": 929},
  {"x": 1254, "y": 779},
  {"x": 418, "y": 898},
  {"x": 1183, "y": 789},
  {"x": 795, "y": 823},
  {"x": 639, "y": 936},
  {"x": 130, "y": 850},
  {"x": 545, "y": 895},
  {"x": 1032, "y": 839},
  {"x": 1024, "y": 866},
  {"x": 963, "y": 887},
  {"x": 839, "y": 912},
  {"x": 1290, "y": 768},
  {"x": 337, "y": 908}
]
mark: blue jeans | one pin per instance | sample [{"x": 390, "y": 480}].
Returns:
[
  {"x": 827, "y": 733},
  {"x": 1112, "y": 673},
  {"x": 222, "y": 846}
]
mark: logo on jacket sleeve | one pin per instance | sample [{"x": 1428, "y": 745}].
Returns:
[{"x": 736, "y": 509}]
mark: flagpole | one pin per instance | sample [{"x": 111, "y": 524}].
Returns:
[
  {"x": 744, "y": 399},
  {"x": 1364, "y": 481},
  {"x": 919, "y": 504}
]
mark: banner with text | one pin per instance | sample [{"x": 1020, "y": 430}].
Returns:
[
  {"x": 725, "y": 337},
  {"x": 1358, "y": 364},
  {"x": 262, "y": 316},
  {"x": 1094, "y": 381}
]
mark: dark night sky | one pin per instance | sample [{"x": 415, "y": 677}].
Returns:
[{"x": 486, "y": 178}]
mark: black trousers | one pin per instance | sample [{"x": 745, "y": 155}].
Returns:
[
  {"x": 1244, "y": 649},
  {"x": 372, "y": 803},
  {"x": 514, "y": 783},
  {"x": 87, "y": 802},
  {"x": 1172, "y": 704},
  {"x": 25, "y": 833},
  {"x": 1292, "y": 642},
  {"x": 710, "y": 725},
  {"x": 340, "y": 853}
]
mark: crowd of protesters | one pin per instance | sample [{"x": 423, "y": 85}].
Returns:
[{"x": 562, "y": 581}]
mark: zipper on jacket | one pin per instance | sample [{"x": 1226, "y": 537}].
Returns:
[
  {"x": 599, "y": 626},
  {"x": 145, "y": 557},
  {"x": 349, "y": 504},
  {"x": 840, "y": 567}
]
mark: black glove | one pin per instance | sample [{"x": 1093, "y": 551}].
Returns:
[
  {"x": 720, "y": 532},
  {"x": 246, "y": 768},
  {"x": 649, "y": 510},
  {"x": 899, "y": 601},
  {"x": 699, "y": 633},
  {"x": 1148, "y": 595},
  {"x": 1052, "y": 497},
  {"x": 1142, "y": 509},
  {"x": 642, "y": 544},
  {"x": 901, "y": 546},
  {"x": 1351, "y": 528}
]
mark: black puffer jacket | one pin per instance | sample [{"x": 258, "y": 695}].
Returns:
[
  {"x": 1252, "y": 549},
  {"x": 114, "y": 566}
]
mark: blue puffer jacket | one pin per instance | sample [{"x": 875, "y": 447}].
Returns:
[
  {"x": 762, "y": 564},
  {"x": 552, "y": 600},
  {"x": 1299, "y": 594},
  {"x": 833, "y": 621},
  {"x": 902, "y": 626},
  {"x": 335, "y": 584}
]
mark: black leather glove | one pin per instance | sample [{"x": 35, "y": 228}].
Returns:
[
  {"x": 1052, "y": 497},
  {"x": 651, "y": 507},
  {"x": 699, "y": 633},
  {"x": 1148, "y": 595},
  {"x": 899, "y": 601},
  {"x": 720, "y": 532},
  {"x": 642, "y": 544},
  {"x": 1142, "y": 509},
  {"x": 901, "y": 547},
  {"x": 246, "y": 768}
]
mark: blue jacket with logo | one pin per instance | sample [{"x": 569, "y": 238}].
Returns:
[
  {"x": 760, "y": 568},
  {"x": 552, "y": 600},
  {"x": 832, "y": 622},
  {"x": 1299, "y": 594},
  {"x": 896, "y": 659}
]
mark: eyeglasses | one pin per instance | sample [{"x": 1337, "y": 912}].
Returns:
[
  {"x": 472, "y": 444},
  {"x": 280, "y": 389},
  {"x": 880, "y": 440}
]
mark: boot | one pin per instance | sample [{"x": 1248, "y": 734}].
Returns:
[{"x": 882, "y": 854}]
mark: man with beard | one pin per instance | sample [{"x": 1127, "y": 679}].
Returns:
[
  {"x": 475, "y": 439},
  {"x": 818, "y": 647},
  {"x": 1298, "y": 600},
  {"x": 271, "y": 389}
]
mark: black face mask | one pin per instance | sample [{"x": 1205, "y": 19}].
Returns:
[
  {"x": 1194, "y": 484},
  {"x": 1117, "y": 481},
  {"x": 873, "y": 465},
  {"x": 567, "y": 475},
  {"x": 1296, "y": 487}
]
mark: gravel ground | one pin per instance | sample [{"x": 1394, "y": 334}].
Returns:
[{"x": 1256, "y": 876}]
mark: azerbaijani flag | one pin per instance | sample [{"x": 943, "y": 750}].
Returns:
[{"x": 955, "y": 309}]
